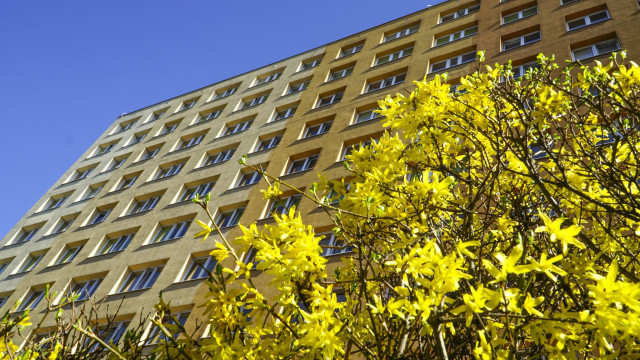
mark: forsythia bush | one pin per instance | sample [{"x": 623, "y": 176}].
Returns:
[{"x": 498, "y": 222}]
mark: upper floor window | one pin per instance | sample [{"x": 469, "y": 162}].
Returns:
[
  {"x": 82, "y": 174},
  {"x": 394, "y": 56},
  {"x": 150, "y": 153},
  {"x": 239, "y": 127},
  {"x": 209, "y": 116},
  {"x": 306, "y": 65},
  {"x": 253, "y": 101},
  {"x": 55, "y": 202},
  {"x": 350, "y": 50},
  {"x": 224, "y": 93},
  {"x": 199, "y": 268},
  {"x": 302, "y": 164},
  {"x": 331, "y": 245},
  {"x": 189, "y": 141},
  {"x": 188, "y": 104},
  {"x": 401, "y": 33},
  {"x": 339, "y": 74},
  {"x": 172, "y": 231},
  {"x": 366, "y": 115},
  {"x": 229, "y": 218},
  {"x": 31, "y": 300},
  {"x": 285, "y": 113},
  {"x": 167, "y": 171},
  {"x": 530, "y": 11},
  {"x": 3, "y": 266},
  {"x": 201, "y": 190},
  {"x": 459, "y": 13},
  {"x": 30, "y": 262},
  {"x": 63, "y": 225},
  {"x": 298, "y": 87},
  {"x": 110, "y": 334},
  {"x": 283, "y": 205},
  {"x": 330, "y": 99},
  {"x": 169, "y": 128},
  {"x": 85, "y": 289},
  {"x": 140, "y": 279},
  {"x": 157, "y": 115},
  {"x": 456, "y": 36},
  {"x": 268, "y": 78},
  {"x": 599, "y": 48},
  {"x": 268, "y": 143},
  {"x": 68, "y": 254},
  {"x": 317, "y": 129},
  {"x": 249, "y": 178},
  {"x": 137, "y": 138},
  {"x": 100, "y": 216},
  {"x": 116, "y": 244},
  {"x": 103, "y": 149},
  {"x": 218, "y": 157},
  {"x": 591, "y": 19},
  {"x": 156, "y": 335},
  {"x": 348, "y": 149},
  {"x": 124, "y": 126},
  {"x": 92, "y": 191},
  {"x": 116, "y": 163},
  {"x": 390, "y": 81},
  {"x": 144, "y": 205},
  {"x": 26, "y": 234},
  {"x": 127, "y": 181},
  {"x": 453, "y": 61},
  {"x": 518, "y": 41},
  {"x": 565, "y": 2},
  {"x": 519, "y": 71}
]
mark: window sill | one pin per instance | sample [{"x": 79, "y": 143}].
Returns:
[
  {"x": 182, "y": 149},
  {"x": 139, "y": 291},
  {"x": 458, "y": 18},
  {"x": 143, "y": 160},
  {"x": 162, "y": 135},
  {"x": 305, "y": 70},
  {"x": 161, "y": 242},
  {"x": 281, "y": 119},
  {"x": 97, "y": 155},
  {"x": 262, "y": 150},
  {"x": 310, "y": 137},
  {"x": 520, "y": 47},
  {"x": 113, "y": 253}
]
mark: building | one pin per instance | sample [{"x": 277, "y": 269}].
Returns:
[{"x": 117, "y": 224}]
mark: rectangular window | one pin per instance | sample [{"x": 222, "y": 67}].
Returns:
[
  {"x": 156, "y": 115},
  {"x": 167, "y": 171},
  {"x": 156, "y": 335},
  {"x": 117, "y": 163},
  {"x": 55, "y": 202},
  {"x": 144, "y": 205},
  {"x": 188, "y": 104},
  {"x": 116, "y": 244},
  {"x": 189, "y": 142},
  {"x": 31, "y": 300},
  {"x": 63, "y": 225},
  {"x": 456, "y": 36},
  {"x": 302, "y": 164},
  {"x": 85, "y": 289},
  {"x": 82, "y": 174},
  {"x": 339, "y": 74},
  {"x": 68, "y": 254},
  {"x": 110, "y": 334},
  {"x": 333, "y": 246},
  {"x": 199, "y": 268},
  {"x": 125, "y": 126},
  {"x": 209, "y": 116},
  {"x": 26, "y": 235},
  {"x": 100, "y": 216},
  {"x": 137, "y": 138},
  {"x": 454, "y": 61},
  {"x": 306, "y": 65},
  {"x": 588, "y": 20},
  {"x": 401, "y": 33},
  {"x": 520, "y": 41},
  {"x": 30, "y": 263},
  {"x": 249, "y": 178},
  {"x": 127, "y": 182},
  {"x": 384, "y": 83},
  {"x": 366, "y": 115},
  {"x": 169, "y": 128},
  {"x": 170, "y": 232},
  {"x": 3, "y": 266},
  {"x": 103, "y": 149},
  {"x": 285, "y": 113},
  {"x": 229, "y": 218},
  {"x": 509, "y": 18},
  {"x": 283, "y": 205},
  {"x": 330, "y": 99},
  {"x": 318, "y": 129},
  {"x": 225, "y": 93},
  {"x": 268, "y": 78},
  {"x": 218, "y": 157},
  {"x": 253, "y": 102},
  {"x": 351, "y": 50},
  {"x": 458, "y": 14},
  {"x": 298, "y": 87},
  {"x": 565, "y": 2},
  {"x": 141, "y": 279},
  {"x": 239, "y": 127},
  {"x": 394, "y": 56},
  {"x": 600, "y": 48},
  {"x": 269, "y": 143},
  {"x": 202, "y": 190},
  {"x": 150, "y": 153},
  {"x": 91, "y": 192}
]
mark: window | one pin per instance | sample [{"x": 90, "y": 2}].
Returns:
[
  {"x": 199, "y": 268},
  {"x": 155, "y": 335},
  {"x": 269, "y": 143},
  {"x": 401, "y": 33},
  {"x": 156, "y": 115},
  {"x": 225, "y": 93},
  {"x": 103, "y": 149},
  {"x": 201, "y": 190},
  {"x": 189, "y": 142},
  {"x": 137, "y": 138},
  {"x": 565, "y": 2},
  {"x": 26, "y": 235},
  {"x": 239, "y": 127},
  {"x": 394, "y": 56},
  {"x": 318, "y": 129},
  {"x": 390, "y": 81},
  {"x": 85, "y": 289},
  {"x": 456, "y": 36},
  {"x": 285, "y": 113},
  {"x": 268, "y": 78},
  {"x": 116, "y": 163},
  {"x": 302, "y": 164},
  {"x": 126, "y": 182},
  {"x": 150, "y": 153},
  {"x": 188, "y": 104},
  {"x": 454, "y": 61},
  {"x": 82, "y": 174},
  {"x": 169, "y": 128},
  {"x": 366, "y": 115},
  {"x": 351, "y": 50},
  {"x": 509, "y": 18},
  {"x": 249, "y": 178},
  {"x": 167, "y": 171},
  {"x": 332, "y": 246},
  {"x": 253, "y": 102},
  {"x": 458, "y": 14},
  {"x": 68, "y": 254},
  {"x": 140, "y": 279},
  {"x": 588, "y": 20},
  {"x": 110, "y": 334},
  {"x": 520, "y": 41},
  {"x": 116, "y": 244},
  {"x": 63, "y": 225},
  {"x": 229, "y": 218},
  {"x": 55, "y": 202},
  {"x": 596, "y": 49},
  {"x": 339, "y": 74},
  {"x": 306, "y": 65},
  {"x": 3, "y": 266},
  {"x": 125, "y": 126},
  {"x": 218, "y": 157},
  {"x": 170, "y": 232},
  {"x": 144, "y": 205},
  {"x": 334, "y": 197},
  {"x": 283, "y": 205},
  {"x": 348, "y": 149},
  {"x": 100, "y": 216},
  {"x": 91, "y": 192},
  {"x": 31, "y": 300},
  {"x": 30, "y": 263},
  {"x": 209, "y": 116},
  {"x": 298, "y": 87},
  {"x": 519, "y": 71},
  {"x": 330, "y": 99}
]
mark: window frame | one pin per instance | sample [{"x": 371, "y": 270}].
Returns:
[
  {"x": 237, "y": 128},
  {"x": 171, "y": 231},
  {"x": 594, "y": 49},
  {"x": 323, "y": 128},
  {"x": 68, "y": 254},
  {"x": 86, "y": 288},
  {"x": 279, "y": 206},
  {"x": 168, "y": 171},
  {"x": 208, "y": 116},
  {"x": 520, "y": 14},
  {"x": 248, "y": 178},
  {"x": 400, "y": 33},
  {"x": 588, "y": 21},
  {"x": 31, "y": 300},
  {"x": 227, "y": 92},
  {"x": 126, "y": 182},
  {"x": 144, "y": 205},
  {"x": 140, "y": 279},
  {"x": 230, "y": 218},
  {"x": 452, "y": 37},
  {"x": 196, "y": 270},
  {"x": 460, "y": 60},
  {"x": 372, "y": 116},
  {"x": 30, "y": 263},
  {"x": 226, "y": 155},
  {"x": 201, "y": 189},
  {"x": 155, "y": 336},
  {"x": 25, "y": 235},
  {"x": 63, "y": 225},
  {"x": 459, "y": 13},
  {"x": 298, "y": 87},
  {"x": 100, "y": 216},
  {"x": 55, "y": 202},
  {"x": 521, "y": 40},
  {"x": 268, "y": 143},
  {"x": 396, "y": 55},
  {"x": 288, "y": 112},
  {"x": 306, "y": 163},
  {"x": 189, "y": 142},
  {"x": 350, "y": 50},
  {"x": 310, "y": 64},
  {"x": 345, "y": 72},
  {"x": 260, "y": 80},
  {"x": 333, "y": 99},
  {"x": 331, "y": 244},
  {"x": 386, "y": 82},
  {"x": 112, "y": 245}
]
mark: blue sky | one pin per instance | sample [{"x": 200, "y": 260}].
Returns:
[{"x": 70, "y": 68}]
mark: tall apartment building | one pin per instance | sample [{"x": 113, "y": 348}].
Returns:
[{"x": 118, "y": 224}]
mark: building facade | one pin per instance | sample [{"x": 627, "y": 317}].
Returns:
[{"x": 118, "y": 224}]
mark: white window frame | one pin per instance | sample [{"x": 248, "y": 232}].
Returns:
[
  {"x": 339, "y": 74},
  {"x": 116, "y": 163},
  {"x": 82, "y": 174},
  {"x": 401, "y": 33},
  {"x": 140, "y": 279},
  {"x": 519, "y": 71},
  {"x": 3, "y": 267},
  {"x": 198, "y": 267},
  {"x": 202, "y": 190},
  {"x": 349, "y": 148},
  {"x": 366, "y": 115},
  {"x": 85, "y": 289},
  {"x": 225, "y": 93},
  {"x": 127, "y": 182},
  {"x": 209, "y": 116},
  {"x": 103, "y": 149},
  {"x": 322, "y": 128},
  {"x": 298, "y": 87},
  {"x": 351, "y": 50},
  {"x": 587, "y": 20},
  {"x": 237, "y": 128},
  {"x": 268, "y": 78},
  {"x": 454, "y": 61},
  {"x": 306, "y": 65},
  {"x": 30, "y": 262},
  {"x": 253, "y": 102},
  {"x": 116, "y": 244},
  {"x": 155, "y": 335},
  {"x": 157, "y": 115},
  {"x": 304, "y": 164},
  {"x": 189, "y": 142},
  {"x": 100, "y": 216},
  {"x": 111, "y": 335},
  {"x": 519, "y": 15},
  {"x": 330, "y": 99},
  {"x": 150, "y": 153},
  {"x": 91, "y": 192},
  {"x": 460, "y": 13},
  {"x": 218, "y": 157},
  {"x": 55, "y": 202},
  {"x": 171, "y": 232},
  {"x": 594, "y": 49},
  {"x": 229, "y": 218},
  {"x": 137, "y": 138},
  {"x": 380, "y": 60},
  {"x": 456, "y": 36},
  {"x": 144, "y": 205},
  {"x": 333, "y": 246},
  {"x": 165, "y": 172},
  {"x": 522, "y": 40},
  {"x": 68, "y": 254},
  {"x": 248, "y": 178},
  {"x": 285, "y": 113},
  {"x": 188, "y": 105},
  {"x": 385, "y": 83},
  {"x": 269, "y": 143},
  {"x": 169, "y": 128},
  {"x": 566, "y": 2},
  {"x": 31, "y": 300},
  {"x": 282, "y": 205},
  {"x": 26, "y": 235},
  {"x": 63, "y": 225},
  {"x": 124, "y": 126}
]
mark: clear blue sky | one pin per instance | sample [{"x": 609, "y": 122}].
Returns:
[{"x": 69, "y": 68}]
